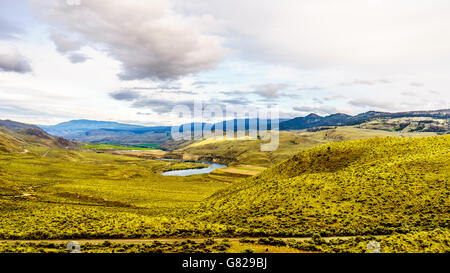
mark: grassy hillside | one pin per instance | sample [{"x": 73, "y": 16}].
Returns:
[
  {"x": 313, "y": 120},
  {"x": 365, "y": 187},
  {"x": 240, "y": 151},
  {"x": 372, "y": 186},
  {"x": 18, "y": 139},
  {"x": 410, "y": 124},
  {"x": 8, "y": 143},
  {"x": 57, "y": 193}
]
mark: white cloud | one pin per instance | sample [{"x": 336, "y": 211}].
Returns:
[
  {"x": 270, "y": 90},
  {"x": 372, "y": 103},
  {"x": 11, "y": 60},
  {"x": 277, "y": 51},
  {"x": 318, "y": 109},
  {"x": 366, "y": 82},
  {"x": 147, "y": 37},
  {"x": 322, "y": 33},
  {"x": 417, "y": 84}
]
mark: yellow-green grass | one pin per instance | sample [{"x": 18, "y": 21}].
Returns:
[
  {"x": 435, "y": 241},
  {"x": 373, "y": 186},
  {"x": 367, "y": 187},
  {"x": 244, "y": 169},
  {"x": 408, "y": 124},
  {"x": 185, "y": 246},
  {"x": 8, "y": 143},
  {"x": 241, "y": 151},
  {"x": 117, "y": 178},
  {"x": 51, "y": 193}
]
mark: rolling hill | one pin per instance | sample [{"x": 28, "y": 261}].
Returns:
[
  {"x": 313, "y": 120},
  {"x": 372, "y": 186},
  {"x": 16, "y": 136},
  {"x": 247, "y": 151},
  {"x": 8, "y": 143}
]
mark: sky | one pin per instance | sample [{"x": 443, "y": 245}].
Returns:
[{"x": 133, "y": 61}]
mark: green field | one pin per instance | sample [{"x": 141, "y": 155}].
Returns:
[
  {"x": 118, "y": 147},
  {"x": 142, "y": 145}
]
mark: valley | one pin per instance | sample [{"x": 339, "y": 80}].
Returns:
[{"x": 326, "y": 189}]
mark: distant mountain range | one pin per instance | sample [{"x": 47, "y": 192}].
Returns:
[
  {"x": 313, "y": 120},
  {"x": 106, "y": 131},
  {"x": 83, "y": 125}
]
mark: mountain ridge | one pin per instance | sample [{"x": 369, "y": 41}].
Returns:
[
  {"x": 340, "y": 119},
  {"x": 14, "y": 136},
  {"x": 108, "y": 131}
]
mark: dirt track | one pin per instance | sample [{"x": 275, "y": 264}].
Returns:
[{"x": 166, "y": 240}]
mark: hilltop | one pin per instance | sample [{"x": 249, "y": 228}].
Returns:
[
  {"x": 108, "y": 131},
  {"x": 247, "y": 151},
  {"x": 372, "y": 186},
  {"x": 16, "y": 136},
  {"x": 86, "y": 125},
  {"x": 95, "y": 131},
  {"x": 313, "y": 120}
]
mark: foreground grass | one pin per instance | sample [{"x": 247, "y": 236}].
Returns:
[
  {"x": 370, "y": 187},
  {"x": 436, "y": 241},
  {"x": 366, "y": 187}
]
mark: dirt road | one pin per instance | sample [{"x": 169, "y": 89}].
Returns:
[{"x": 165, "y": 240}]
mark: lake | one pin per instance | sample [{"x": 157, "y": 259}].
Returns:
[{"x": 187, "y": 172}]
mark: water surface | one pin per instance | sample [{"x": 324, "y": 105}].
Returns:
[{"x": 187, "y": 172}]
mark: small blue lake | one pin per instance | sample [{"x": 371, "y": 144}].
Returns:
[{"x": 187, "y": 172}]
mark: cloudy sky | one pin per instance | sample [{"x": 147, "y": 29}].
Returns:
[{"x": 133, "y": 61}]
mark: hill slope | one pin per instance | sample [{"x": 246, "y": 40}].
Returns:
[
  {"x": 8, "y": 143},
  {"x": 15, "y": 136},
  {"x": 242, "y": 151},
  {"x": 372, "y": 186},
  {"x": 313, "y": 120}
]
